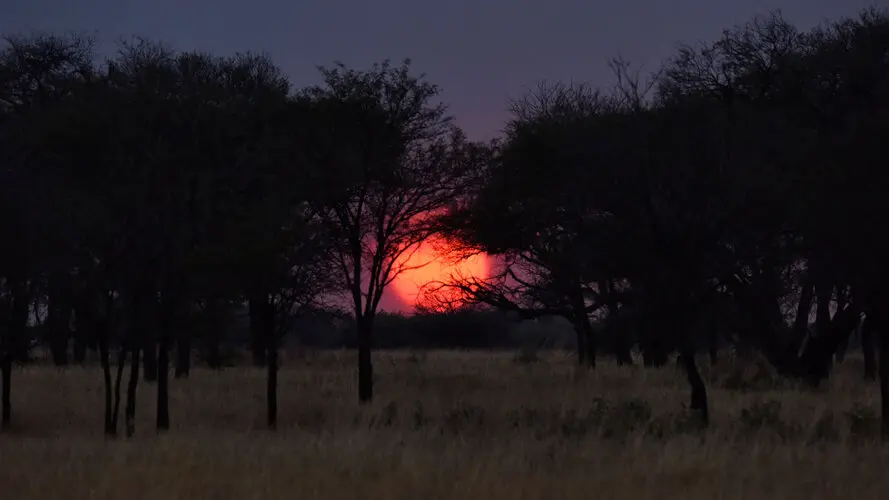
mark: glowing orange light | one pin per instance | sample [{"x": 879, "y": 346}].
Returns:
[{"x": 434, "y": 268}]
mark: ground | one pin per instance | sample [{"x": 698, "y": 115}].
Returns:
[{"x": 460, "y": 425}]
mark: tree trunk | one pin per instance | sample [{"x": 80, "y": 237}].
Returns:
[
  {"x": 684, "y": 314},
  {"x": 698, "y": 389},
  {"x": 121, "y": 364},
  {"x": 622, "y": 345},
  {"x": 130, "y": 411},
  {"x": 584, "y": 329},
  {"x": 868, "y": 349},
  {"x": 590, "y": 335},
  {"x": 137, "y": 335},
  {"x": 365, "y": 365},
  {"x": 581, "y": 343},
  {"x": 801, "y": 322},
  {"x": 11, "y": 344},
  {"x": 816, "y": 360}
]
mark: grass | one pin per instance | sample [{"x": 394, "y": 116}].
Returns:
[{"x": 461, "y": 425}]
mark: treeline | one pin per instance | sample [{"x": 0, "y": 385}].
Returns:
[
  {"x": 722, "y": 200},
  {"x": 729, "y": 196},
  {"x": 464, "y": 329},
  {"x": 145, "y": 195}
]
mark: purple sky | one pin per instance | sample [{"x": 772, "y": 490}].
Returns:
[{"x": 481, "y": 52}]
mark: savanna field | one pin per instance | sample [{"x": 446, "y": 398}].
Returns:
[{"x": 449, "y": 424}]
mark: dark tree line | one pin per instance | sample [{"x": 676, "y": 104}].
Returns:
[
  {"x": 725, "y": 199},
  {"x": 145, "y": 195},
  {"x": 745, "y": 179}
]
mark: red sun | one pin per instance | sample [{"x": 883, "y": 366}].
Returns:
[{"x": 427, "y": 265}]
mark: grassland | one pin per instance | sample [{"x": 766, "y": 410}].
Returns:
[{"x": 462, "y": 425}]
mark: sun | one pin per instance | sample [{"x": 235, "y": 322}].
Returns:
[{"x": 431, "y": 267}]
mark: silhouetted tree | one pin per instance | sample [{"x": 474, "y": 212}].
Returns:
[{"x": 380, "y": 130}]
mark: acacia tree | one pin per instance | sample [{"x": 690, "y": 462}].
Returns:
[
  {"x": 542, "y": 207},
  {"x": 403, "y": 161},
  {"x": 623, "y": 194}
]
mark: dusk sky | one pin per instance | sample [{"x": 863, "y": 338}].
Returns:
[{"x": 479, "y": 51}]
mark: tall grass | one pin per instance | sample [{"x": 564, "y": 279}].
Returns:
[{"x": 465, "y": 425}]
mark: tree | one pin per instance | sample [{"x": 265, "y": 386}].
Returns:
[
  {"x": 542, "y": 207},
  {"x": 402, "y": 161}
]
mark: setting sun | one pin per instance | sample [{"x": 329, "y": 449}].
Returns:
[{"x": 432, "y": 267}]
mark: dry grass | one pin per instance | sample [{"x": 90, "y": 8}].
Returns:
[{"x": 450, "y": 425}]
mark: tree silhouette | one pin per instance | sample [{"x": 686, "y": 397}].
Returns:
[{"x": 403, "y": 161}]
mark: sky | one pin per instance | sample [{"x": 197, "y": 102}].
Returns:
[{"x": 480, "y": 52}]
